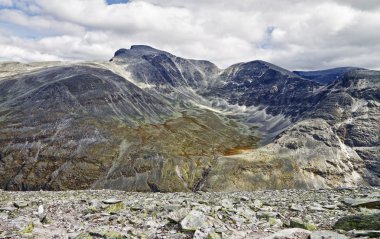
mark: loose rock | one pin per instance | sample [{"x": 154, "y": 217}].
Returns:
[
  {"x": 266, "y": 214},
  {"x": 326, "y": 235},
  {"x": 359, "y": 222},
  {"x": 193, "y": 221}
]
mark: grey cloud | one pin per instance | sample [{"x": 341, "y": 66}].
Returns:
[{"x": 303, "y": 34}]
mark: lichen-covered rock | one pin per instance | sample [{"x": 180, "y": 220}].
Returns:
[
  {"x": 194, "y": 220},
  {"x": 359, "y": 222},
  {"x": 368, "y": 202},
  {"x": 364, "y": 233},
  {"x": 299, "y": 223}
]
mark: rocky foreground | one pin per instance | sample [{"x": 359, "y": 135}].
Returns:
[{"x": 262, "y": 214}]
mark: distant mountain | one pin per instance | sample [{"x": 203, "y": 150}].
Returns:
[
  {"x": 326, "y": 76},
  {"x": 150, "y": 121}
]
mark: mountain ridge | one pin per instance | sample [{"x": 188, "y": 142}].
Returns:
[{"x": 150, "y": 121}]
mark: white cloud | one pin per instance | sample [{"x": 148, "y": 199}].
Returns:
[
  {"x": 6, "y": 3},
  {"x": 294, "y": 34}
]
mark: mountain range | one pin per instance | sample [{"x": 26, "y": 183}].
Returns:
[{"x": 147, "y": 120}]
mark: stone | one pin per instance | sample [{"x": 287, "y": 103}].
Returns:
[
  {"x": 297, "y": 208},
  {"x": 198, "y": 234},
  {"x": 214, "y": 235},
  {"x": 106, "y": 234},
  {"x": 275, "y": 222},
  {"x": 326, "y": 235},
  {"x": 178, "y": 215},
  {"x": 193, "y": 221},
  {"x": 20, "y": 204},
  {"x": 316, "y": 207},
  {"x": 237, "y": 220},
  {"x": 226, "y": 203},
  {"x": 94, "y": 203},
  {"x": 257, "y": 203},
  {"x": 331, "y": 206},
  {"x": 111, "y": 201},
  {"x": 266, "y": 215},
  {"x": 244, "y": 198},
  {"x": 299, "y": 223},
  {"x": 40, "y": 210},
  {"x": 363, "y": 202},
  {"x": 7, "y": 209},
  {"x": 290, "y": 233},
  {"x": 359, "y": 222},
  {"x": 247, "y": 213},
  {"x": 3, "y": 215},
  {"x": 115, "y": 208},
  {"x": 364, "y": 233},
  {"x": 266, "y": 209}
]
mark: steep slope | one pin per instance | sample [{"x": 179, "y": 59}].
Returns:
[
  {"x": 165, "y": 72},
  {"x": 50, "y": 119},
  {"x": 151, "y": 121},
  {"x": 352, "y": 107},
  {"x": 264, "y": 85},
  {"x": 335, "y": 143}
]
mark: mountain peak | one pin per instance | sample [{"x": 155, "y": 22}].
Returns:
[
  {"x": 121, "y": 51},
  {"x": 136, "y": 50},
  {"x": 143, "y": 48}
]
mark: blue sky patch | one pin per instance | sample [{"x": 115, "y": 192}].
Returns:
[{"x": 116, "y": 1}]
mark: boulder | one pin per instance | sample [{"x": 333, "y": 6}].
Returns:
[
  {"x": 359, "y": 222},
  {"x": 194, "y": 220}
]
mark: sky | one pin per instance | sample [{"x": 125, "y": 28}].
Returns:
[{"x": 294, "y": 34}]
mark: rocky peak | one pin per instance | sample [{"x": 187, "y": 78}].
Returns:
[
  {"x": 140, "y": 48},
  {"x": 136, "y": 51},
  {"x": 258, "y": 69},
  {"x": 143, "y": 48}
]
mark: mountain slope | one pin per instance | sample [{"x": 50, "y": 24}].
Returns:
[
  {"x": 335, "y": 143},
  {"x": 326, "y": 76},
  {"x": 151, "y": 121}
]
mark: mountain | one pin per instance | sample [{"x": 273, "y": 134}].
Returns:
[
  {"x": 326, "y": 76},
  {"x": 150, "y": 121}
]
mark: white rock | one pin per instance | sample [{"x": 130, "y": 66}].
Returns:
[
  {"x": 40, "y": 209},
  {"x": 194, "y": 220}
]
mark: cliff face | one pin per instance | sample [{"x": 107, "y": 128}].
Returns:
[{"x": 150, "y": 121}]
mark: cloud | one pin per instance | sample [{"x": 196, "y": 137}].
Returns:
[
  {"x": 6, "y": 3},
  {"x": 294, "y": 34}
]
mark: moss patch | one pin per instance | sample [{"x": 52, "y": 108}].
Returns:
[
  {"x": 115, "y": 208},
  {"x": 28, "y": 229}
]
